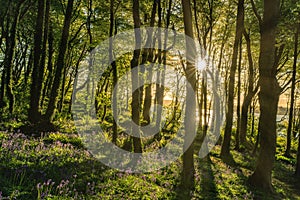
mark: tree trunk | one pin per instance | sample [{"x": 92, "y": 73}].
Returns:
[
  {"x": 148, "y": 88},
  {"x": 297, "y": 173},
  {"x": 291, "y": 111},
  {"x": 189, "y": 118},
  {"x": 115, "y": 73},
  {"x": 75, "y": 80},
  {"x": 205, "y": 115},
  {"x": 253, "y": 118},
  {"x": 4, "y": 35},
  {"x": 136, "y": 103},
  {"x": 37, "y": 73},
  {"x": 225, "y": 150},
  {"x": 60, "y": 63},
  {"x": 60, "y": 103},
  {"x": 159, "y": 95},
  {"x": 9, "y": 55},
  {"x": 47, "y": 86},
  {"x": 44, "y": 51},
  {"x": 250, "y": 93},
  {"x": 238, "y": 107},
  {"x": 268, "y": 97}
]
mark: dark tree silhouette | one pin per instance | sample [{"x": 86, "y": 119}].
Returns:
[
  {"x": 38, "y": 67},
  {"x": 60, "y": 62}
]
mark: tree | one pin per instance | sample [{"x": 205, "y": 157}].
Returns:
[
  {"x": 38, "y": 67},
  {"x": 297, "y": 172},
  {"x": 238, "y": 107},
  {"x": 8, "y": 63},
  {"x": 60, "y": 62},
  {"x": 268, "y": 95},
  {"x": 294, "y": 66},
  {"x": 159, "y": 94},
  {"x": 225, "y": 150},
  {"x": 148, "y": 56},
  {"x": 114, "y": 67},
  {"x": 292, "y": 101},
  {"x": 189, "y": 118},
  {"x": 136, "y": 101},
  {"x": 4, "y": 35},
  {"x": 250, "y": 92}
]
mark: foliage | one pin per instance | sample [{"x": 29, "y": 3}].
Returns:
[
  {"x": 36, "y": 169},
  {"x": 56, "y": 165}
]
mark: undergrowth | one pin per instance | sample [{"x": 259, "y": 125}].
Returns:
[{"x": 57, "y": 166}]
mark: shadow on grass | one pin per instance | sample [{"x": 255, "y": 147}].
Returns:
[
  {"x": 284, "y": 174},
  {"x": 207, "y": 179},
  {"x": 285, "y": 185},
  {"x": 208, "y": 189},
  {"x": 24, "y": 179}
]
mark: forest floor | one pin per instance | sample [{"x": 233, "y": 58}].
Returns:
[{"x": 56, "y": 166}]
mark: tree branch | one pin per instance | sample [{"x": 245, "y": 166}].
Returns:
[
  {"x": 285, "y": 86},
  {"x": 256, "y": 13}
]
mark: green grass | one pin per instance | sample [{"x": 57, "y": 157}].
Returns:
[{"x": 56, "y": 166}]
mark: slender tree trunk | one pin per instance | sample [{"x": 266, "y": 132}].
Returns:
[
  {"x": 238, "y": 107},
  {"x": 9, "y": 56},
  {"x": 297, "y": 172},
  {"x": 115, "y": 73},
  {"x": 159, "y": 95},
  {"x": 252, "y": 119},
  {"x": 225, "y": 150},
  {"x": 162, "y": 65},
  {"x": 250, "y": 92},
  {"x": 148, "y": 89},
  {"x": 217, "y": 99},
  {"x": 290, "y": 125},
  {"x": 44, "y": 51},
  {"x": 49, "y": 77},
  {"x": 268, "y": 97},
  {"x": 83, "y": 52},
  {"x": 136, "y": 103},
  {"x": 60, "y": 62},
  {"x": 2, "y": 89},
  {"x": 60, "y": 103},
  {"x": 200, "y": 96},
  {"x": 205, "y": 115},
  {"x": 4, "y": 35},
  {"x": 189, "y": 118},
  {"x": 3, "y": 14}
]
